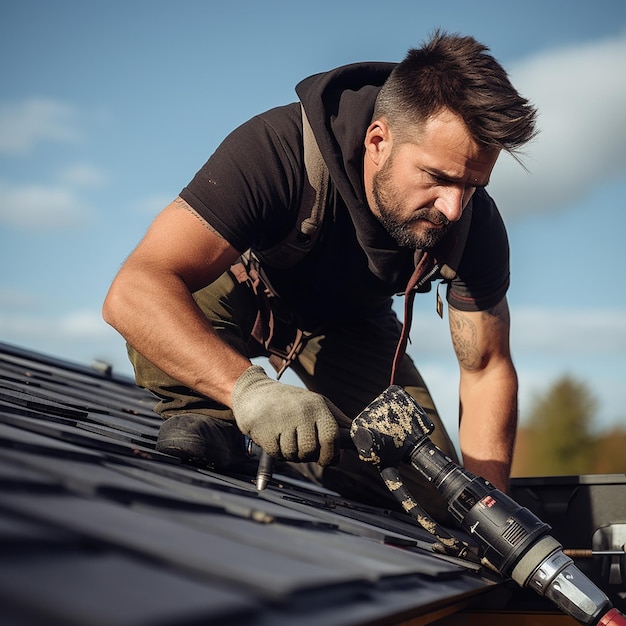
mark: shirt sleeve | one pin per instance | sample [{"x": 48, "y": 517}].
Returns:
[
  {"x": 250, "y": 186},
  {"x": 483, "y": 276}
]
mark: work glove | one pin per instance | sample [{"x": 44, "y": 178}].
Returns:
[{"x": 286, "y": 421}]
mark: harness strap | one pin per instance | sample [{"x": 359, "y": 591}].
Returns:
[
  {"x": 420, "y": 274},
  {"x": 275, "y": 328},
  {"x": 307, "y": 229}
]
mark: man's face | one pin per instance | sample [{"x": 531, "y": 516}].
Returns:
[{"x": 418, "y": 189}]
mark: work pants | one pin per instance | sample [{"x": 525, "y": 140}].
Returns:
[{"x": 348, "y": 362}]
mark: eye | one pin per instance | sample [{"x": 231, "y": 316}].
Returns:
[{"x": 438, "y": 180}]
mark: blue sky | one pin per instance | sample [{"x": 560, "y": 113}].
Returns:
[{"x": 107, "y": 109}]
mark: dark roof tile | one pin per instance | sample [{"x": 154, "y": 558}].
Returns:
[{"x": 98, "y": 528}]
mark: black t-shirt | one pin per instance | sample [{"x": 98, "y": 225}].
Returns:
[{"x": 249, "y": 191}]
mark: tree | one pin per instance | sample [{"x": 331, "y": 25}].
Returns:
[{"x": 559, "y": 440}]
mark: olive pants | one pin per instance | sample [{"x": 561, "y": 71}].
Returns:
[{"x": 348, "y": 363}]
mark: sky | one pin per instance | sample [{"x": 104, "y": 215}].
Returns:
[{"x": 107, "y": 109}]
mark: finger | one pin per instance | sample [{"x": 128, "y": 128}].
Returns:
[
  {"x": 328, "y": 435},
  {"x": 271, "y": 445},
  {"x": 308, "y": 442},
  {"x": 288, "y": 443}
]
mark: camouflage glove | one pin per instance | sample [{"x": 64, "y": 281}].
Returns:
[{"x": 286, "y": 421}]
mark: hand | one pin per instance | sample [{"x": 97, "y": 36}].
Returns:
[{"x": 286, "y": 421}]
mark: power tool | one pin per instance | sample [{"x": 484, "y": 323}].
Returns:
[{"x": 511, "y": 540}]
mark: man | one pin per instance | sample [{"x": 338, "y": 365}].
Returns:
[{"x": 410, "y": 149}]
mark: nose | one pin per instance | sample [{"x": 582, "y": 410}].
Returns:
[{"x": 452, "y": 199}]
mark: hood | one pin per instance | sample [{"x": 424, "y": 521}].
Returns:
[{"x": 339, "y": 105}]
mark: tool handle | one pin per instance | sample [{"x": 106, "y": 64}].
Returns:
[
  {"x": 264, "y": 471},
  {"x": 578, "y": 553},
  {"x": 586, "y": 553}
]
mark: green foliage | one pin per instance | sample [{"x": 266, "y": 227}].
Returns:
[{"x": 559, "y": 437}]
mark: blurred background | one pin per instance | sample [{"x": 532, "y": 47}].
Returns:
[{"x": 107, "y": 109}]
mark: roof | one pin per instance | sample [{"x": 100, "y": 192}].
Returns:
[{"x": 98, "y": 528}]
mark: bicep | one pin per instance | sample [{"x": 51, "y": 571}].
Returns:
[
  {"x": 480, "y": 338},
  {"x": 181, "y": 242}
]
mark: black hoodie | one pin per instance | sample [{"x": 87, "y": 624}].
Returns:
[{"x": 249, "y": 191}]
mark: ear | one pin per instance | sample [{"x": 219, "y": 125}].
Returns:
[{"x": 378, "y": 142}]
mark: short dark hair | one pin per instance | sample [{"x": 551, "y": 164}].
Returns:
[{"x": 457, "y": 73}]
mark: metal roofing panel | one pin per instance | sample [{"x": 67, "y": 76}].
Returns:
[
  {"x": 120, "y": 590},
  {"x": 96, "y": 527}
]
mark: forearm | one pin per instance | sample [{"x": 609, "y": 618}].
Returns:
[
  {"x": 488, "y": 423},
  {"x": 156, "y": 313}
]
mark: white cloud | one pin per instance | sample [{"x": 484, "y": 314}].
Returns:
[
  {"x": 79, "y": 336},
  {"x": 83, "y": 175},
  {"x": 40, "y": 207},
  {"x": 73, "y": 325},
  {"x": 24, "y": 124},
  {"x": 583, "y": 333},
  {"x": 82, "y": 324},
  {"x": 580, "y": 93}
]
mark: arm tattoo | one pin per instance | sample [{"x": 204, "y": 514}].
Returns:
[{"x": 463, "y": 333}]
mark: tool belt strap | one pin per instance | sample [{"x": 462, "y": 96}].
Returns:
[{"x": 276, "y": 328}]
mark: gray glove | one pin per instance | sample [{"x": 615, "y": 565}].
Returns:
[{"x": 286, "y": 421}]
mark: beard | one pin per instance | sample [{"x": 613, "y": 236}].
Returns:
[{"x": 407, "y": 233}]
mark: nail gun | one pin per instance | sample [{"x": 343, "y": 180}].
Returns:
[{"x": 394, "y": 429}]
